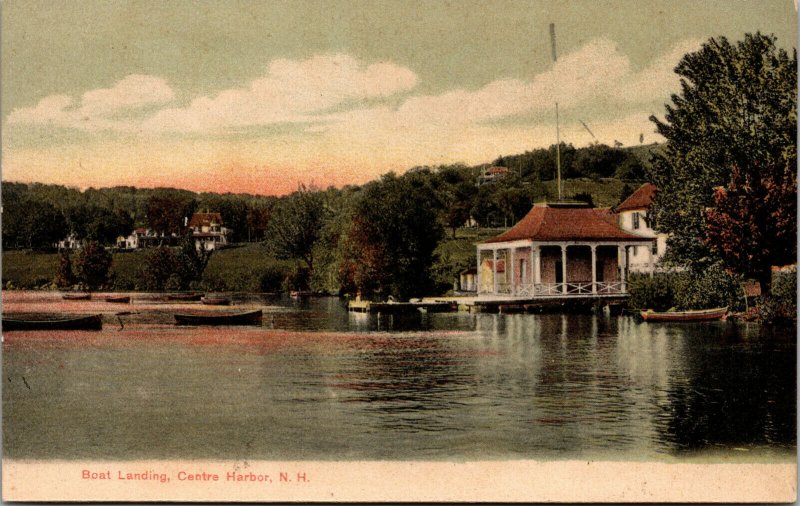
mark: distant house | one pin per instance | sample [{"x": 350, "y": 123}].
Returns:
[
  {"x": 146, "y": 238},
  {"x": 632, "y": 216},
  {"x": 558, "y": 250},
  {"x": 71, "y": 242},
  {"x": 208, "y": 231},
  {"x": 492, "y": 174}
]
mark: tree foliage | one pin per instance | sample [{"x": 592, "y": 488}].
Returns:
[
  {"x": 733, "y": 125},
  {"x": 389, "y": 246},
  {"x": 295, "y": 225},
  {"x": 167, "y": 211},
  {"x": 159, "y": 265},
  {"x": 93, "y": 265}
]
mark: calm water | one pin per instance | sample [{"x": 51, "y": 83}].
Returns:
[{"x": 315, "y": 382}]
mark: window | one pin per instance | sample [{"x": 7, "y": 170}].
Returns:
[
  {"x": 635, "y": 221},
  {"x": 636, "y": 251},
  {"x": 654, "y": 248}
]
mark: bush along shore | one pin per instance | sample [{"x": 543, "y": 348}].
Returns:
[{"x": 715, "y": 287}]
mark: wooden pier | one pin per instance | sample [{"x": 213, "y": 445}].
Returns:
[
  {"x": 541, "y": 304},
  {"x": 363, "y": 306}
]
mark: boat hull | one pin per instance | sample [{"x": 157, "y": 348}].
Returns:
[
  {"x": 215, "y": 301},
  {"x": 88, "y": 322},
  {"x": 248, "y": 318},
  {"x": 77, "y": 296},
  {"x": 119, "y": 300},
  {"x": 685, "y": 316},
  {"x": 184, "y": 296}
]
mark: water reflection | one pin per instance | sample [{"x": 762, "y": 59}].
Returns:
[{"x": 317, "y": 382}]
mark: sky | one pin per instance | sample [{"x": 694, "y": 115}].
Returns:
[{"x": 263, "y": 96}]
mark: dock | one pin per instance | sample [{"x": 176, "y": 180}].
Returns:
[
  {"x": 555, "y": 303},
  {"x": 504, "y": 305},
  {"x": 363, "y": 306}
]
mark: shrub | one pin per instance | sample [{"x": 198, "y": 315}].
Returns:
[
  {"x": 657, "y": 293},
  {"x": 159, "y": 265},
  {"x": 713, "y": 287},
  {"x": 92, "y": 265},
  {"x": 64, "y": 277},
  {"x": 781, "y": 304}
]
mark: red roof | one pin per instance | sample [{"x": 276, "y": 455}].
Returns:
[
  {"x": 205, "y": 219},
  {"x": 640, "y": 199},
  {"x": 497, "y": 170},
  {"x": 566, "y": 223}
]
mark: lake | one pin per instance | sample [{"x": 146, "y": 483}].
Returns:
[{"x": 316, "y": 382}]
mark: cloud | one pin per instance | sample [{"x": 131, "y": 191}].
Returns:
[
  {"x": 97, "y": 108},
  {"x": 351, "y": 121},
  {"x": 292, "y": 91}
]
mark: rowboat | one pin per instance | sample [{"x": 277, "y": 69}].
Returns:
[
  {"x": 184, "y": 296},
  {"x": 119, "y": 299},
  {"x": 684, "y": 316},
  {"x": 215, "y": 300},
  {"x": 77, "y": 296},
  {"x": 53, "y": 322},
  {"x": 247, "y": 318}
]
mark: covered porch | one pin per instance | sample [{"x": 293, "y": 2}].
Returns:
[{"x": 530, "y": 269}]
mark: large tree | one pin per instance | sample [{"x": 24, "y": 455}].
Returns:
[
  {"x": 733, "y": 125},
  {"x": 296, "y": 224},
  {"x": 390, "y": 245}
]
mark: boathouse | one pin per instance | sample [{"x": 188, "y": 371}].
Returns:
[{"x": 558, "y": 250}]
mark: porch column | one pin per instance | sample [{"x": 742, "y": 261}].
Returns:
[
  {"x": 594, "y": 269},
  {"x": 510, "y": 260},
  {"x": 494, "y": 270},
  {"x": 650, "y": 258},
  {"x": 478, "y": 274},
  {"x": 622, "y": 259},
  {"x": 564, "y": 269}
]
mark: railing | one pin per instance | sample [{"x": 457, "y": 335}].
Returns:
[
  {"x": 604, "y": 287},
  {"x": 557, "y": 289},
  {"x": 548, "y": 289}
]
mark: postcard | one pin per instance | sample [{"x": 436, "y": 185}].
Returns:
[{"x": 327, "y": 251}]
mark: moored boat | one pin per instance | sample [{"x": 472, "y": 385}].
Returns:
[
  {"x": 684, "y": 316},
  {"x": 77, "y": 296},
  {"x": 184, "y": 296},
  {"x": 119, "y": 299},
  {"x": 246, "y": 318},
  {"x": 52, "y": 322},
  {"x": 215, "y": 300}
]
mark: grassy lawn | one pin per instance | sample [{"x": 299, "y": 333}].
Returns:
[
  {"x": 28, "y": 269},
  {"x": 605, "y": 192},
  {"x": 245, "y": 268},
  {"x": 248, "y": 268}
]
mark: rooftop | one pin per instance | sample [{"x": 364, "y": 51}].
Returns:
[
  {"x": 205, "y": 219},
  {"x": 563, "y": 222},
  {"x": 640, "y": 199}
]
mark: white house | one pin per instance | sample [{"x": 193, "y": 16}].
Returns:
[
  {"x": 208, "y": 231},
  {"x": 632, "y": 216},
  {"x": 71, "y": 242}
]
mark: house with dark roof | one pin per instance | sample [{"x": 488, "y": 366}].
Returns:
[
  {"x": 558, "y": 250},
  {"x": 208, "y": 231},
  {"x": 632, "y": 216}
]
